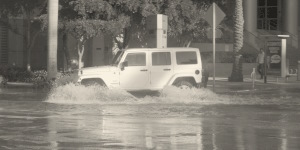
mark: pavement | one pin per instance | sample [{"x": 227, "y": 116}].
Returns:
[{"x": 222, "y": 85}]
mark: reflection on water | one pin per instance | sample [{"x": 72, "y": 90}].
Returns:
[{"x": 77, "y": 117}]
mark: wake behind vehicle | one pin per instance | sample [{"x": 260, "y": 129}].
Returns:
[{"x": 148, "y": 69}]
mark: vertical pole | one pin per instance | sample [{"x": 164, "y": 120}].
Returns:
[
  {"x": 52, "y": 38},
  {"x": 283, "y": 57},
  {"x": 265, "y": 62},
  {"x": 253, "y": 76},
  {"x": 298, "y": 71},
  {"x": 214, "y": 45}
]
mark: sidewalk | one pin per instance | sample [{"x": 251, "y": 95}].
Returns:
[{"x": 222, "y": 85}]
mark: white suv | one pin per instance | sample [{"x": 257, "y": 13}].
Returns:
[{"x": 148, "y": 69}]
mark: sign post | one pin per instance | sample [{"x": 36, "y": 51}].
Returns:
[
  {"x": 214, "y": 16},
  {"x": 214, "y": 45}
]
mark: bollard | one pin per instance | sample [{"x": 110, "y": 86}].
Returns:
[
  {"x": 253, "y": 77},
  {"x": 298, "y": 71}
]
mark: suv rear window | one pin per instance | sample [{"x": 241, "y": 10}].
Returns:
[
  {"x": 186, "y": 58},
  {"x": 161, "y": 58}
]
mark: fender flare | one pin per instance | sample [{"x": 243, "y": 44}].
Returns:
[{"x": 176, "y": 76}]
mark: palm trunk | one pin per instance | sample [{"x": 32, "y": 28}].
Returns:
[
  {"x": 52, "y": 38},
  {"x": 237, "y": 75}
]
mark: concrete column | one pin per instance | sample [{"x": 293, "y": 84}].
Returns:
[
  {"x": 290, "y": 19},
  {"x": 250, "y": 24},
  {"x": 250, "y": 15},
  {"x": 52, "y": 38}
]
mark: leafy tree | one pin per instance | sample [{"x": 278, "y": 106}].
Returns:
[
  {"x": 185, "y": 21},
  {"x": 29, "y": 11},
  {"x": 85, "y": 19},
  {"x": 236, "y": 74}
]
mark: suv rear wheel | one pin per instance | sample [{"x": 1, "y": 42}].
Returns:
[{"x": 184, "y": 84}]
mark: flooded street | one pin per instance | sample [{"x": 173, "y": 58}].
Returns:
[{"x": 77, "y": 117}]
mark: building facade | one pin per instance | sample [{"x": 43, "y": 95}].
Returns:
[{"x": 265, "y": 19}]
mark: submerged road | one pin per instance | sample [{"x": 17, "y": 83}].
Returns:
[{"x": 74, "y": 117}]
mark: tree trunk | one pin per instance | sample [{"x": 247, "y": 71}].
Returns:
[
  {"x": 66, "y": 50},
  {"x": 237, "y": 75},
  {"x": 127, "y": 35},
  {"x": 29, "y": 47},
  {"x": 80, "y": 48},
  {"x": 52, "y": 38}
]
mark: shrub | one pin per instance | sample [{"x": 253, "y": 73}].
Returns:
[
  {"x": 37, "y": 77},
  {"x": 15, "y": 74}
]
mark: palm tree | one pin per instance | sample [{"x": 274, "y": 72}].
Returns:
[
  {"x": 52, "y": 38},
  {"x": 237, "y": 75}
]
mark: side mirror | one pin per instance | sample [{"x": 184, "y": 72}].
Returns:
[{"x": 123, "y": 65}]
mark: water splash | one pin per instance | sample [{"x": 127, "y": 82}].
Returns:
[{"x": 77, "y": 94}]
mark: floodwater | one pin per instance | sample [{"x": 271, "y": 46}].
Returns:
[{"x": 76, "y": 117}]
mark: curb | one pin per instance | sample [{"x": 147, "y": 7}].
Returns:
[{"x": 19, "y": 84}]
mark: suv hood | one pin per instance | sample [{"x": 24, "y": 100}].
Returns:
[{"x": 98, "y": 69}]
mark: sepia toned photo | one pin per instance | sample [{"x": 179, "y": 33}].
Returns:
[{"x": 149, "y": 75}]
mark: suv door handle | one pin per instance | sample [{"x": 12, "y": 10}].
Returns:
[
  {"x": 144, "y": 70},
  {"x": 167, "y": 69}
]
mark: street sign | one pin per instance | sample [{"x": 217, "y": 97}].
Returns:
[
  {"x": 219, "y": 15},
  {"x": 209, "y": 33},
  {"x": 214, "y": 16}
]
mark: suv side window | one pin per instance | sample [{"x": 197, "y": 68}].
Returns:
[
  {"x": 136, "y": 59},
  {"x": 186, "y": 58},
  {"x": 161, "y": 58}
]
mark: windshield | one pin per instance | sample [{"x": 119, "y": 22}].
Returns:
[{"x": 117, "y": 57}]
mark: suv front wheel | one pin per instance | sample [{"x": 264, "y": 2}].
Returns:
[
  {"x": 90, "y": 82},
  {"x": 184, "y": 85}
]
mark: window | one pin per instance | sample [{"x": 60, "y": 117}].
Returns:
[
  {"x": 136, "y": 59},
  {"x": 267, "y": 17},
  {"x": 161, "y": 58},
  {"x": 4, "y": 44},
  {"x": 185, "y": 58}
]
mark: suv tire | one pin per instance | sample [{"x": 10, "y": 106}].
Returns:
[
  {"x": 90, "y": 82},
  {"x": 184, "y": 84}
]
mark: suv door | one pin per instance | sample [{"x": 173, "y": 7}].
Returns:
[
  {"x": 135, "y": 75},
  {"x": 161, "y": 69}
]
